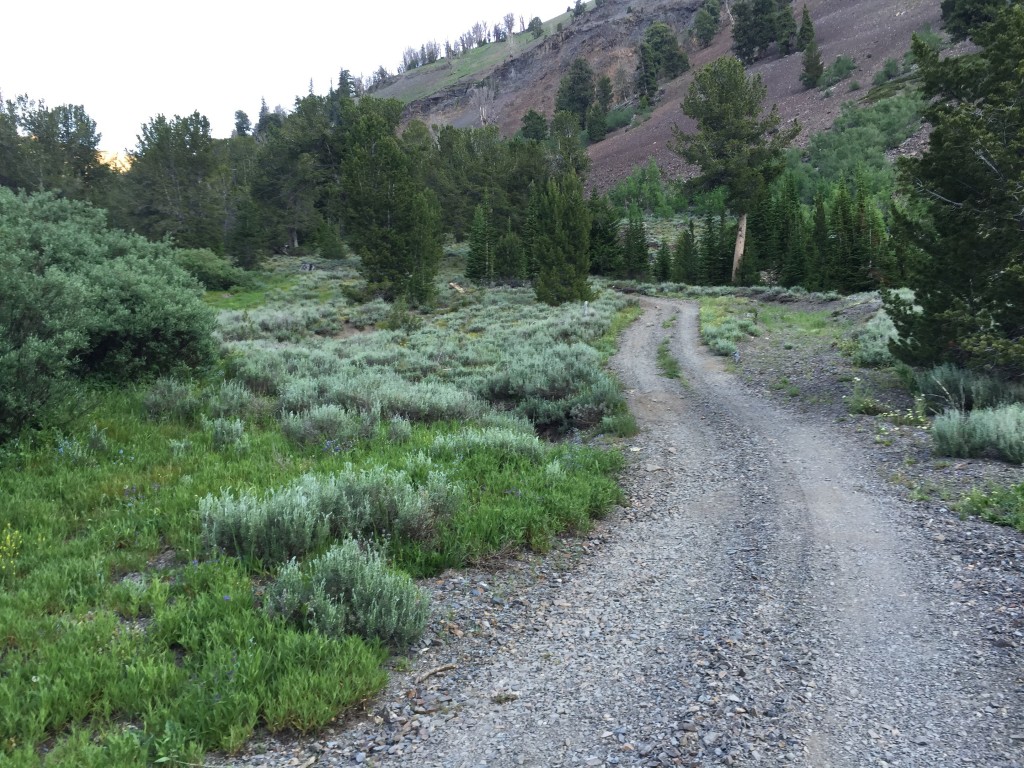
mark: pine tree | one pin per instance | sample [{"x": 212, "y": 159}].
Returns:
[
  {"x": 562, "y": 242},
  {"x": 480, "y": 261},
  {"x": 813, "y": 68},
  {"x": 735, "y": 146},
  {"x": 806, "y": 33},
  {"x": 576, "y": 91},
  {"x": 510, "y": 256},
  {"x": 605, "y": 248},
  {"x": 785, "y": 28},
  {"x": 685, "y": 263},
  {"x": 663, "y": 263},
  {"x": 967, "y": 307},
  {"x": 634, "y": 247}
]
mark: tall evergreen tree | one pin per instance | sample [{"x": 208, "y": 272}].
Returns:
[
  {"x": 785, "y": 28},
  {"x": 663, "y": 263},
  {"x": 967, "y": 306},
  {"x": 605, "y": 248},
  {"x": 481, "y": 258},
  {"x": 806, "y": 32},
  {"x": 813, "y": 67},
  {"x": 962, "y": 18},
  {"x": 735, "y": 146},
  {"x": 562, "y": 242},
  {"x": 576, "y": 91},
  {"x": 636, "y": 261},
  {"x": 685, "y": 261}
]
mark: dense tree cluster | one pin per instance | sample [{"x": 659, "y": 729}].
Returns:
[
  {"x": 965, "y": 212},
  {"x": 660, "y": 58},
  {"x": 760, "y": 23}
]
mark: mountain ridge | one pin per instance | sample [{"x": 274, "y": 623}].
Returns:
[{"x": 525, "y": 75}]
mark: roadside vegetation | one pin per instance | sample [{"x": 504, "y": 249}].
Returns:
[{"x": 195, "y": 556}]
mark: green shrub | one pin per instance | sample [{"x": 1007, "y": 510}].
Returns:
[
  {"x": 619, "y": 118},
  {"x": 1004, "y": 506},
  {"x": 837, "y": 71},
  {"x": 231, "y": 398},
  {"x": 225, "y": 433},
  {"x": 330, "y": 426},
  {"x": 889, "y": 71},
  {"x": 503, "y": 441},
  {"x": 215, "y": 272},
  {"x": 399, "y": 430},
  {"x": 997, "y": 432},
  {"x": 170, "y": 398},
  {"x": 351, "y": 591},
  {"x": 303, "y": 517},
  {"x": 871, "y": 341},
  {"x": 947, "y": 387},
  {"x": 85, "y": 300}
]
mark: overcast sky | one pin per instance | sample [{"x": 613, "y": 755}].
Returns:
[{"x": 126, "y": 62}]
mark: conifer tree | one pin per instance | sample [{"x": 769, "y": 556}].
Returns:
[
  {"x": 510, "y": 256},
  {"x": 480, "y": 261},
  {"x": 634, "y": 246},
  {"x": 605, "y": 247},
  {"x": 735, "y": 146},
  {"x": 562, "y": 242},
  {"x": 685, "y": 264},
  {"x": 806, "y": 32},
  {"x": 813, "y": 68},
  {"x": 967, "y": 306},
  {"x": 785, "y": 28},
  {"x": 663, "y": 263}
]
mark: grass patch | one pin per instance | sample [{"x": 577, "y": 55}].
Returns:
[
  {"x": 1003, "y": 506},
  {"x": 667, "y": 364},
  {"x": 726, "y": 321}
]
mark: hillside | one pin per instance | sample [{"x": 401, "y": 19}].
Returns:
[{"x": 500, "y": 82}]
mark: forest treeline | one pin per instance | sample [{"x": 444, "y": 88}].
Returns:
[{"x": 341, "y": 173}]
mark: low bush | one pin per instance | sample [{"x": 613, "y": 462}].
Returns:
[
  {"x": 871, "y": 341},
  {"x": 996, "y": 432},
  {"x": 231, "y": 398},
  {"x": 947, "y": 387},
  {"x": 172, "y": 399},
  {"x": 225, "y": 433},
  {"x": 350, "y": 591},
  {"x": 305, "y": 516},
  {"x": 1004, "y": 506},
  {"x": 215, "y": 272},
  {"x": 503, "y": 441},
  {"x": 837, "y": 71},
  {"x": 330, "y": 426}
]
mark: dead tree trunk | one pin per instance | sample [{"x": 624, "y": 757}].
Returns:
[{"x": 741, "y": 240}]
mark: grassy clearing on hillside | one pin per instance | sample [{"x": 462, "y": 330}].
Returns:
[{"x": 150, "y": 611}]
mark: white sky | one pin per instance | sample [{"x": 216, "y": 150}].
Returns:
[{"x": 126, "y": 62}]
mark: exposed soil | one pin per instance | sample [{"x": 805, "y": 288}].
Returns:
[{"x": 765, "y": 597}]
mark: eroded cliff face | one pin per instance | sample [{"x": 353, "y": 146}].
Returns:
[{"x": 527, "y": 77}]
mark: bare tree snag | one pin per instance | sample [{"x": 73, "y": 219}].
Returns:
[{"x": 741, "y": 240}]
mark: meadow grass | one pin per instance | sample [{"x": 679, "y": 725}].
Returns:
[{"x": 135, "y": 634}]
